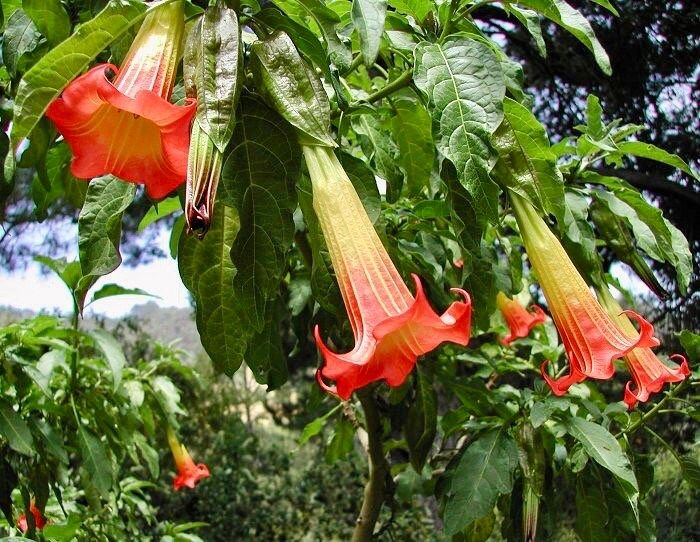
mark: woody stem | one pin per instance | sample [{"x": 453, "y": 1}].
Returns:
[{"x": 375, "y": 490}]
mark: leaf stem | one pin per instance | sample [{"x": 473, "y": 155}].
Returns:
[
  {"x": 375, "y": 490},
  {"x": 400, "y": 82}
]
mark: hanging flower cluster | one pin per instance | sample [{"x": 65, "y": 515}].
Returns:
[{"x": 592, "y": 338}]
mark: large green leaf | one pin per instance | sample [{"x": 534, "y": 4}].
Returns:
[
  {"x": 207, "y": 271},
  {"x": 591, "y": 509},
  {"x": 482, "y": 473},
  {"x": 49, "y": 76},
  {"x": 112, "y": 351},
  {"x": 213, "y": 71},
  {"x": 15, "y": 430},
  {"x": 292, "y": 88},
  {"x": 602, "y": 446},
  {"x": 368, "y": 17},
  {"x": 411, "y": 127},
  {"x": 378, "y": 145},
  {"x": 463, "y": 79},
  {"x": 100, "y": 229},
  {"x": 20, "y": 37},
  {"x": 258, "y": 179},
  {"x": 570, "y": 19},
  {"x": 96, "y": 462},
  {"x": 50, "y": 18},
  {"x": 418, "y": 9},
  {"x": 527, "y": 165}
]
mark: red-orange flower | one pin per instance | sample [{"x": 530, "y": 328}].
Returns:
[
  {"x": 391, "y": 326},
  {"x": 127, "y": 127},
  {"x": 39, "y": 521},
  {"x": 591, "y": 338},
  {"x": 648, "y": 371},
  {"x": 519, "y": 320},
  {"x": 188, "y": 473}
]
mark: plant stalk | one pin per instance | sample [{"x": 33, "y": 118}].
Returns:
[{"x": 375, "y": 490}]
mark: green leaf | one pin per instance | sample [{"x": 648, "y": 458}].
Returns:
[
  {"x": 341, "y": 439},
  {"x": 411, "y": 127},
  {"x": 418, "y": 9},
  {"x": 591, "y": 510},
  {"x": 527, "y": 165},
  {"x": 691, "y": 344},
  {"x": 602, "y": 446},
  {"x": 68, "y": 272},
  {"x": 112, "y": 351},
  {"x": 570, "y": 19},
  {"x": 265, "y": 355},
  {"x": 338, "y": 53},
  {"x": 95, "y": 461},
  {"x": 167, "y": 395},
  {"x": 20, "y": 37},
  {"x": 213, "y": 72},
  {"x": 207, "y": 272},
  {"x": 258, "y": 179},
  {"x": 100, "y": 230},
  {"x": 53, "y": 440},
  {"x": 304, "y": 39},
  {"x": 315, "y": 426},
  {"x": 15, "y": 430},
  {"x": 368, "y": 17},
  {"x": 652, "y": 152},
  {"x": 653, "y": 233},
  {"x": 111, "y": 290},
  {"x": 607, "y": 5},
  {"x": 362, "y": 179},
  {"x": 292, "y": 88},
  {"x": 160, "y": 210},
  {"x": 482, "y": 473},
  {"x": 531, "y": 21},
  {"x": 383, "y": 151},
  {"x": 463, "y": 80},
  {"x": 421, "y": 421},
  {"x": 691, "y": 470},
  {"x": 50, "y": 75},
  {"x": 50, "y": 18}
]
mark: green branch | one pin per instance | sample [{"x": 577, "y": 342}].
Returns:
[
  {"x": 400, "y": 82},
  {"x": 375, "y": 490},
  {"x": 654, "y": 411}
]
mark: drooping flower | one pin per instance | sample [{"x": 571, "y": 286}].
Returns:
[
  {"x": 391, "y": 326},
  {"x": 519, "y": 320},
  {"x": 648, "y": 372},
  {"x": 188, "y": 473},
  {"x": 39, "y": 521},
  {"x": 127, "y": 127},
  {"x": 592, "y": 339}
]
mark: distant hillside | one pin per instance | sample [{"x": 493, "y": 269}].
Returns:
[{"x": 167, "y": 325}]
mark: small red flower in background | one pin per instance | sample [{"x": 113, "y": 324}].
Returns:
[
  {"x": 188, "y": 473},
  {"x": 391, "y": 326},
  {"x": 519, "y": 320},
  {"x": 127, "y": 127},
  {"x": 648, "y": 372},
  {"x": 592, "y": 339},
  {"x": 39, "y": 521}
]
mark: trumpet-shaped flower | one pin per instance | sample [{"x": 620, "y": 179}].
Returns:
[
  {"x": 391, "y": 326},
  {"x": 188, "y": 473},
  {"x": 519, "y": 320},
  {"x": 648, "y": 372},
  {"x": 203, "y": 172},
  {"x": 126, "y": 126},
  {"x": 39, "y": 521},
  {"x": 592, "y": 339}
]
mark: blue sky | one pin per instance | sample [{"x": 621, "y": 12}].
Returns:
[{"x": 32, "y": 289}]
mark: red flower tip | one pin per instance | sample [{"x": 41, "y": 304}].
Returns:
[
  {"x": 390, "y": 351},
  {"x": 650, "y": 374},
  {"x": 519, "y": 320},
  {"x": 189, "y": 474},
  {"x": 39, "y": 521}
]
